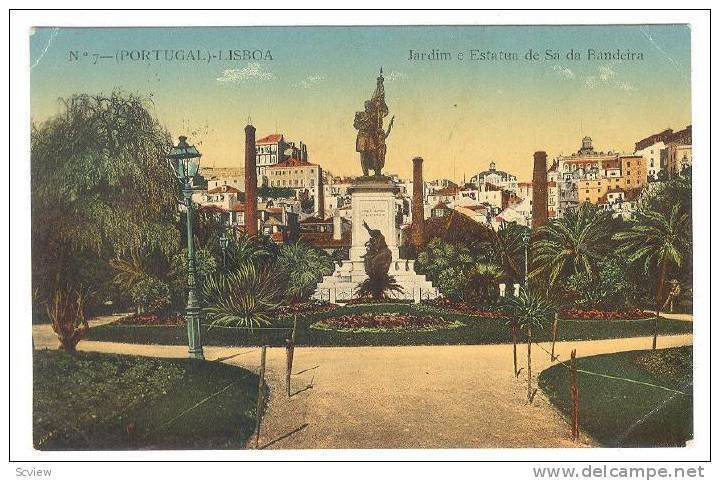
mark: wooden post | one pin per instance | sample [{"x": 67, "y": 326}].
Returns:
[
  {"x": 290, "y": 352},
  {"x": 514, "y": 339},
  {"x": 554, "y": 335},
  {"x": 529, "y": 364},
  {"x": 575, "y": 397},
  {"x": 261, "y": 396}
]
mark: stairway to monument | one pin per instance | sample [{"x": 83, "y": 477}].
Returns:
[{"x": 342, "y": 284}]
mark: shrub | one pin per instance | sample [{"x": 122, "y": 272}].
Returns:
[
  {"x": 245, "y": 297},
  {"x": 610, "y": 288},
  {"x": 150, "y": 295},
  {"x": 303, "y": 267}
]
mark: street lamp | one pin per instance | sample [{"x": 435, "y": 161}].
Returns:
[
  {"x": 526, "y": 243},
  {"x": 183, "y": 159},
  {"x": 224, "y": 242}
]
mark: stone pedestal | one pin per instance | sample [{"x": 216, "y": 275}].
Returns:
[{"x": 373, "y": 201}]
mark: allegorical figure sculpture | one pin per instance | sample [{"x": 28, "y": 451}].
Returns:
[
  {"x": 371, "y": 136},
  {"x": 377, "y": 261},
  {"x": 377, "y": 256}
]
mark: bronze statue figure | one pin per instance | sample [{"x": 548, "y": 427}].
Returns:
[
  {"x": 371, "y": 136},
  {"x": 377, "y": 260},
  {"x": 377, "y": 257}
]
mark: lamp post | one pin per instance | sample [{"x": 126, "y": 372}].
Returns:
[
  {"x": 224, "y": 242},
  {"x": 526, "y": 243},
  {"x": 183, "y": 159}
]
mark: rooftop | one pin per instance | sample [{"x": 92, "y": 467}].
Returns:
[
  {"x": 291, "y": 162},
  {"x": 270, "y": 139}
]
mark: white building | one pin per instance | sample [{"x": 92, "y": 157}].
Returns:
[{"x": 500, "y": 178}]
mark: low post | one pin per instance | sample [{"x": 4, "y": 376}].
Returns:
[
  {"x": 261, "y": 395},
  {"x": 575, "y": 398},
  {"x": 514, "y": 340},
  {"x": 290, "y": 351},
  {"x": 554, "y": 338}
]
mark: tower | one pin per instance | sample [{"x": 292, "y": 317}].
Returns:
[
  {"x": 540, "y": 192},
  {"x": 418, "y": 210},
  {"x": 251, "y": 223}
]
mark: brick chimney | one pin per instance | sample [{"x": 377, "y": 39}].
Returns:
[
  {"x": 418, "y": 210},
  {"x": 337, "y": 225},
  {"x": 540, "y": 193},
  {"x": 251, "y": 223},
  {"x": 321, "y": 195}
]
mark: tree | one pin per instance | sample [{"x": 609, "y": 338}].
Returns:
[
  {"x": 572, "y": 244},
  {"x": 66, "y": 311},
  {"x": 610, "y": 288},
  {"x": 447, "y": 265},
  {"x": 529, "y": 310},
  {"x": 100, "y": 188},
  {"x": 303, "y": 266},
  {"x": 657, "y": 239},
  {"x": 482, "y": 281},
  {"x": 508, "y": 250}
]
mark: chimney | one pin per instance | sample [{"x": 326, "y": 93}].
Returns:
[
  {"x": 540, "y": 193},
  {"x": 251, "y": 223},
  {"x": 418, "y": 210},
  {"x": 337, "y": 225},
  {"x": 320, "y": 195}
]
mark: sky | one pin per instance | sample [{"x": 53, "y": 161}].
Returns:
[{"x": 458, "y": 114}]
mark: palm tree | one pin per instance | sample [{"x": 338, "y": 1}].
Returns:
[
  {"x": 482, "y": 279},
  {"x": 304, "y": 266},
  {"x": 657, "y": 239},
  {"x": 529, "y": 311},
  {"x": 572, "y": 244},
  {"x": 509, "y": 249},
  {"x": 244, "y": 250}
]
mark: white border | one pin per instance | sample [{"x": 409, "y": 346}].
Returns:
[{"x": 19, "y": 348}]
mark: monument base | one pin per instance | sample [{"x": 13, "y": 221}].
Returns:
[
  {"x": 341, "y": 286},
  {"x": 373, "y": 204}
]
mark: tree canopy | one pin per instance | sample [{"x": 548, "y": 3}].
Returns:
[{"x": 100, "y": 188}]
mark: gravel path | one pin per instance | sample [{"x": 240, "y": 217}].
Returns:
[{"x": 399, "y": 396}]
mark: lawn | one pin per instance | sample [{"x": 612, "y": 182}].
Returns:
[
  {"x": 475, "y": 330},
  {"x": 617, "y": 413},
  {"x": 106, "y": 401}
]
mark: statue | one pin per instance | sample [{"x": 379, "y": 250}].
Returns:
[
  {"x": 377, "y": 257},
  {"x": 371, "y": 137}
]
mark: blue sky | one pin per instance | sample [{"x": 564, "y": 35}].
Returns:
[{"x": 458, "y": 115}]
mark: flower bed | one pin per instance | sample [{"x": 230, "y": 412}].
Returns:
[
  {"x": 385, "y": 300},
  {"x": 463, "y": 308},
  {"x": 174, "y": 319},
  {"x": 600, "y": 315},
  {"x": 371, "y": 322}
]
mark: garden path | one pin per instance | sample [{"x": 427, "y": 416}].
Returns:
[{"x": 399, "y": 396}]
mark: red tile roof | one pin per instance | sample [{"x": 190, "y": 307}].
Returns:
[
  {"x": 291, "y": 162},
  {"x": 224, "y": 189},
  {"x": 270, "y": 139}
]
